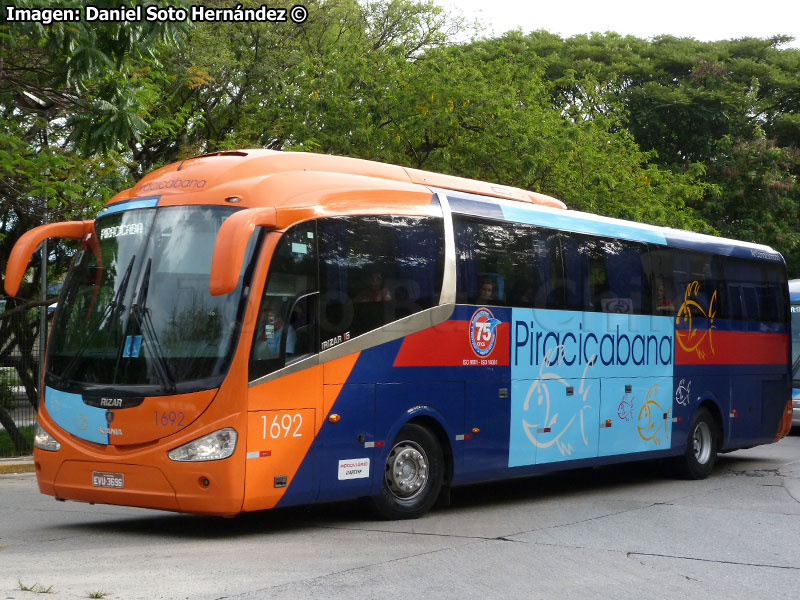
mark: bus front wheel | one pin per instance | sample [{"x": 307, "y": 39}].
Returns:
[
  {"x": 412, "y": 475},
  {"x": 701, "y": 447}
]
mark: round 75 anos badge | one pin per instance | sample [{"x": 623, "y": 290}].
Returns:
[{"x": 483, "y": 332}]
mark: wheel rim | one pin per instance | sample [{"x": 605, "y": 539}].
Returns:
[
  {"x": 701, "y": 442},
  {"x": 406, "y": 470}
]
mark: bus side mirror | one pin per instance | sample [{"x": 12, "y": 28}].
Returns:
[
  {"x": 30, "y": 240},
  {"x": 229, "y": 249}
]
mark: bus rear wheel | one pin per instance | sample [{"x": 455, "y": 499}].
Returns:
[
  {"x": 701, "y": 447},
  {"x": 412, "y": 475}
]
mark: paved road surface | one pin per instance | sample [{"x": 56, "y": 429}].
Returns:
[{"x": 624, "y": 532}]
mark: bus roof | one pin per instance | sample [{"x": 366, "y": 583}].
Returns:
[
  {"x": 303, "y": 181},
  {"x": 303, "y": 185},
  {"x": 571, "y": 220}
]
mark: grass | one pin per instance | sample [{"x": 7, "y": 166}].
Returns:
[
  {"x": 7, "y": 446},
  {"x": 97, "y": 594},
  {"x": 36, "y": 587}
]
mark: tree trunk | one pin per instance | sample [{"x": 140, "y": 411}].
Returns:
[{"x": 16, "y": 437}]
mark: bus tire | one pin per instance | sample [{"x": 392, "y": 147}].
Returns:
[
  {"x": 701, "y": 447},
  {"x": 412, "y": 475}
]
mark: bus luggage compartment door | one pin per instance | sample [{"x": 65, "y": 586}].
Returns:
[
  {"x": 636, "y": 415},
  {"x": 553, "y": 420},
  {"x": 345, "y": 460}
]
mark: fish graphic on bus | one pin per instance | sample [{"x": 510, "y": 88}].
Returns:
[
  {"x": 694, "y": 314},
  {"x": 541, "y": 387},
  {"x": 652, "y": 418},
  {"x": 625, "y": 408}
]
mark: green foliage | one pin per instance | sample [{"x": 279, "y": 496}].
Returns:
[
  {"x": 36, "y": 588},
  {"x": 698, "y": 135},
  {"x": 7, "y": 447},
  {"x": 7, "y": 382},
  {"x": 726, "y": 113}
]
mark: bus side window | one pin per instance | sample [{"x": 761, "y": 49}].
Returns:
[
  {"x": 507, "y": 264},
  {"x": 285, "y": 328},
  {"x": 375, "y": 270},
  {"x": 702, "y": 268},
  {"x": 743, "y": 289},
  {"x": 774, "y": 297},
  {"x": 584, "y": 272},
  {"x": 664, "y": 295},
  {"x": 753, "y": 291},
  {"x": 626, "y": 277},
  {"x": 605, "y": 275},
  {"x": 485, "y": 260}
]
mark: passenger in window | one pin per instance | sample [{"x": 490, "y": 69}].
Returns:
[
  {"x": 375, "y": 290},
  {"x": 270, "y": 330},
  {"x": 487, "y": 293},
  {"x": 664, "y": 304},
  {"x": 525, "y": 296}
]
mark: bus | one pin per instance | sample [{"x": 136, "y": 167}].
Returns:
[
  {"x": 253, "y": 329},
  {"x": 794, "y": 299}
]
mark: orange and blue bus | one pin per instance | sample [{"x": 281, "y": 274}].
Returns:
[
  {"x": 794, "y": 299},
  {"x": 251, "y": 329}
]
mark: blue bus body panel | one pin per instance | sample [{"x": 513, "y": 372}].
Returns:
[{"x": 518, "y": 391}]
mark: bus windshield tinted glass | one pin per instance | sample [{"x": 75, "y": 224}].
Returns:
[{"x": 135, "y": 309}]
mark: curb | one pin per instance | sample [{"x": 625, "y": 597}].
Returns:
[{"x": 22, "y": 464}]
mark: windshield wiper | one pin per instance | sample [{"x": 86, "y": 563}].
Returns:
[
  {"x": 111, "y": 311},
  {"x": 141, "y": 314}
]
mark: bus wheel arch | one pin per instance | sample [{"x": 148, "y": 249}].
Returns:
[
  {"x": 710, "y": 404},
  {"x": 702, "y": 444},
  {"x": 436, "y": 428},
  {"x": 413, "y": 473}
]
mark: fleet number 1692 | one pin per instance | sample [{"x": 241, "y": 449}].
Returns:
[{"x": 283, "y": 425}]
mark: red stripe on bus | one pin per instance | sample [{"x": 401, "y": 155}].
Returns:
[
  {"x": 735, "y": 348},
  {"x": 448, "y": 345}
]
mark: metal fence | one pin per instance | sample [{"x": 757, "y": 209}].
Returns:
[{"x": 19, "y": 379}]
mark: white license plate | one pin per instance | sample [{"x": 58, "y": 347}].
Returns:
[{"x": 109, "y": 480}]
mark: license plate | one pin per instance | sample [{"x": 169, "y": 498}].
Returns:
[{"x": 109, "y": 480}]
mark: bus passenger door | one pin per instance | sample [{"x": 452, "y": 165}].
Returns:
[{"x": 636, "y": 415}]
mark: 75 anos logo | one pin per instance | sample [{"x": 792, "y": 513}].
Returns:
[{"x": 483, "y": 332}]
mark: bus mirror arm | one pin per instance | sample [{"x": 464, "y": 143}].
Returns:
[
  {"x": 30, "y": 240},
  {"x": 229, "y": 249}
]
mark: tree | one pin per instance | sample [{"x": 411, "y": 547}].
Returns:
[
  {"x": 727, "y": 110},
  {"x": 66, "y": 108}
]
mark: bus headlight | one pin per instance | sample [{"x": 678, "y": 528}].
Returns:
[
  {"x": 45, "y": 441},
  {"x": 214, "y": 446}
]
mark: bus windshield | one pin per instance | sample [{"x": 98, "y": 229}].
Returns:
[{"x": 135, "y": 313}]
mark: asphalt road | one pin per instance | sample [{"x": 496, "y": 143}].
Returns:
[{"x": 622, "y": 532}]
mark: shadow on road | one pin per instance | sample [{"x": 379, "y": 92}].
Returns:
[{"x": 561, "y": 486}]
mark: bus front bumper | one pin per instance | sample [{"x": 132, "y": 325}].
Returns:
[{"x": 205, "y": 488}]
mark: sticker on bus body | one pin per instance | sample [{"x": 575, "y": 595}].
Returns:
[{"x": 354, "y": 468}]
